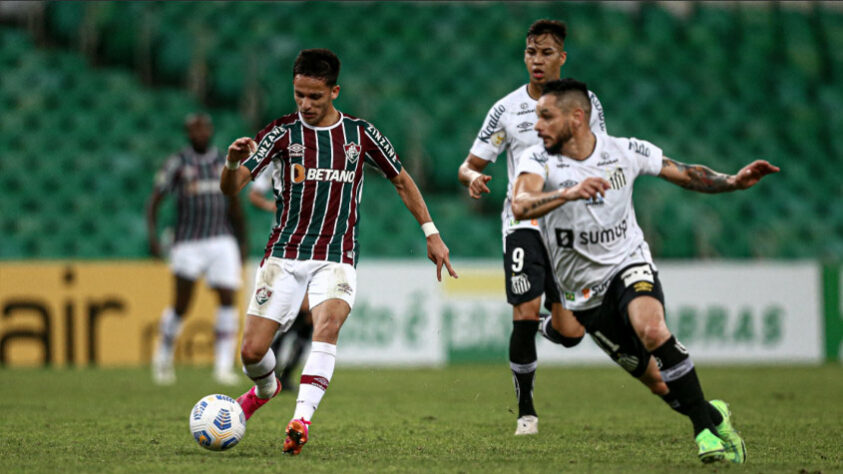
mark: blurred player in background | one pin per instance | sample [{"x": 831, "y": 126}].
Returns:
[
  {"x": 204, "y": 244},
  {"x": 509, "y": 127},
  {"x": 317, "y": 155},
  {"x": 581, "y": 182},
  {"x": 302, "y": 329}
]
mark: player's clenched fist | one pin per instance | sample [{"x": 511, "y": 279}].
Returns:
[
  {"x": 586, "y": 189},
  {"x": 240, "y": 149}
]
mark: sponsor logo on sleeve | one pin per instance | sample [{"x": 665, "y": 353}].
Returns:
[
  {"x": 491, "y": 124},
  {"x": 639, "y": 148}
]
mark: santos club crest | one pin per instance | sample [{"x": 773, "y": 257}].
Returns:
[{"x": 352, "y": 151}]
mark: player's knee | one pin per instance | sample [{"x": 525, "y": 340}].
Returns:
[
  {"x": 570, "y": 341},
  {"x": 653, "y": 335},
  {"x": 327, "y": 329},
  {"x": 251, "y": 353}
]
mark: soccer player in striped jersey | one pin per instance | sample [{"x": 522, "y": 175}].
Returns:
[
  {"x": 205, "y": 244},
  {"x": 302, "y": 329},
  {"x": 317, "y": 154},
  {"x": 509, "y": 127},
  {"x": 582, "y": 183}
]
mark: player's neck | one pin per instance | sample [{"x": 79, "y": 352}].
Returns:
[
  {"x": 534, "y": 90},
  {"x": 581, "y": 146},
  {"x": 332, "y": 117}
]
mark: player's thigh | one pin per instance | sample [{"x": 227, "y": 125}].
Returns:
[
  {"x": 223, "y": 269},
  {"x": 331, "y": 280},
  {"x": 641, "y": 300},
  {"x": 526, "y": 270},
  {"x": 609, "y": 328},
  {"x": 280, "y": 286}
]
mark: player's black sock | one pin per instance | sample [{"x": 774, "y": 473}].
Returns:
[
  {"x": 522, "y": 361},
  {"x": 553, "y": 335},
  {"x": 677, "y": 370},
  {"x": 673, "y": 403}
]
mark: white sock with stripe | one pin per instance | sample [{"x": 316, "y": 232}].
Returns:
[{"x": 315, "y": 378}]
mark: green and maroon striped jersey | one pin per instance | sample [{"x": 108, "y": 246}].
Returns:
[
  {"x": 318, "y": 184},
  {"x": 194, "y": 178}
]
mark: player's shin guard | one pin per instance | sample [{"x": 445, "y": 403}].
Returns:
[
  {"x": 522, "y": 361},
  {"x": 677, "y": 371},
  {"x": 315, "y": 378},
  {"x": 226, "y": 339},
  {"x": 263, "y": 374}
]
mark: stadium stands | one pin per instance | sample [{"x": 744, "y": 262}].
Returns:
[{"x": 720, "y": 87}]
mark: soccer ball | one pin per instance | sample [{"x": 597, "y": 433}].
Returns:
[{"x": 217, "y": 422}]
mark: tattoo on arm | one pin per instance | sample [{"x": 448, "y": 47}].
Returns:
[
  {"x": 541, "y": 202},
  {"x": 700, "y": 178}
]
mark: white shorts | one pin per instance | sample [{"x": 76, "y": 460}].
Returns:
[
  {"x": 280, "y": 286},
  {"x": 217, "y": 258}
]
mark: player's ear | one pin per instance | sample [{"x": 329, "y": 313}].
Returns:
[
  {"x": 563, "y": 56},
  {"x": 335, "y": 92}
]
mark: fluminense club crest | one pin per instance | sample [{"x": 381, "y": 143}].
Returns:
[
  {"x": 352, "y": 151},
  {"x": 263, "y": 294}
]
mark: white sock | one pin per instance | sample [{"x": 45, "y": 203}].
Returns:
[
  {"x": 226, "y": 338},
  {"x": 315, "y": 378},
  {"x": 169, "y": 327},
  {"x": 263, "y": 373}
]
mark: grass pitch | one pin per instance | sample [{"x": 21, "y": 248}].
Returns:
[{"x": 459, "y": 419}]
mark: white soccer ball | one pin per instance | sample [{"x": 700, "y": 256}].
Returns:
[{"x": 217, "y": 422}]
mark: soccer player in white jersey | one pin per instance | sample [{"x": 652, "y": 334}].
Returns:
[
  {"x": 318, "y": 155},
  {"x": 509, "y": 127},
  {"x": 302, "y": 329},
  {"x": 581, "y": 184},
  {"x": 207, "y": 223}
]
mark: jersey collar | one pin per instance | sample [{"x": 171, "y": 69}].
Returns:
[{"x": 329, "y": 127}]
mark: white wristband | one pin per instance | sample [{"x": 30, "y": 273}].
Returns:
[
  {"x": 429, "y": 229},
  {"x": 232, "y": 165}
]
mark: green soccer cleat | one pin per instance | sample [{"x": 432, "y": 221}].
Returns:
[
  {"x": 712, "y": 448},
  {"x": 735, "y": 447}
]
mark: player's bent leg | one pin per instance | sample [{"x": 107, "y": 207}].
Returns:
[
  {"x": 561, "y": 327},
  {"x": 646, "y": 315},
  {"x": 523, "y": 361},
  {"x": 328, "y": 317},
  {"x": 258, "y": 363}
]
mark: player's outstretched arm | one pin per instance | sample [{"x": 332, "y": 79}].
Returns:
[
  {"x": 471, "y": 176},
  {"x": 705, "y": 180},
  {"x": 529, "y": 201},
  {"x": 437, "y": 251},
  {"x": 234, "y": 175}
]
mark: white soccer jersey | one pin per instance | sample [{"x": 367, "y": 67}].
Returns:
[
  {"x": 590, "y": 241},
  {"x": 509, "y": 126}
]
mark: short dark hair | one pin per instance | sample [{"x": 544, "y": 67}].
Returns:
[
  {"x": 555, "y": 28},
  {"x": 320, "y": 63},
  {"x": 572, "y": 89}
]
